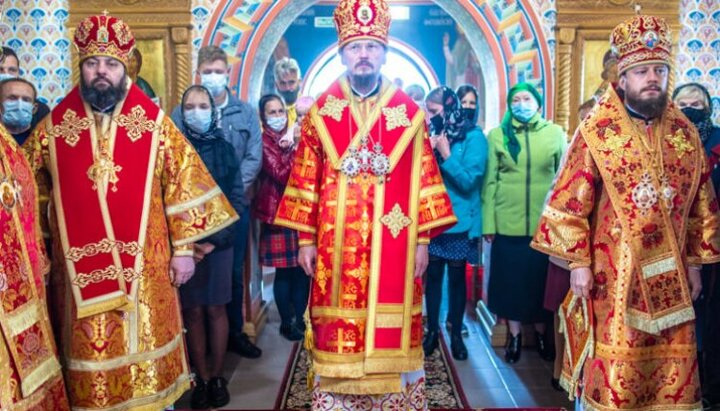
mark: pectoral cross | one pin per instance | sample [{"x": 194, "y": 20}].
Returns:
[{"x": 341, "y": 343}]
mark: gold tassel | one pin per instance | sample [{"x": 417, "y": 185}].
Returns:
[{"x": 309, "y": 344}]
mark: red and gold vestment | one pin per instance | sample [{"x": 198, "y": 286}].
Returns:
[
  {"x": 634, "y": 202},
  {"x": 128, "y": 192},
  {"x": 365, "y": 305},
  {"x": 30, "y": 374}
]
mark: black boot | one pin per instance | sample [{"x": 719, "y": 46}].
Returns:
[
  {"x": 290, "y": 332},
  {"x": 218, "y": 393},
  {"x": 513, "y": 348},
  {"x": 430, "y": 343},
  {"x": 546, "y": 352},
  {"x": 457, "y": 346},
  {"x": 199, "y": 399},
  {"x": 240, "y": 343}
]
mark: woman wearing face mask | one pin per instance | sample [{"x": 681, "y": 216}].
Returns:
[
  {"x": 695, "y": 102},
  {"x": 461, "y": 151},
  {"x": 278, "y": 245},
  {"x": 204, "y": 297},
  {"x": 523, "y": 156}
]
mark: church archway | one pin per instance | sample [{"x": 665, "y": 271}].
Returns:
[{"x": 507, "y": 36}]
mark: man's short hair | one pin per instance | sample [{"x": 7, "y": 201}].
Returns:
[
  {"x": 7, "y": 51},
  {"x": 208, "y": 54},
  {"x": 285, "y": 66},
  {"x": 16, "y": 80}
]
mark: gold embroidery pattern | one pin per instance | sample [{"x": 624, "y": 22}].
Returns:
[
  {"x": 333, "y": 107},
  {"x": 615, "y": 143},
  {"x": 680, "y": 143},
  {"x": 102, "y": 168},
  {"x": 83, "y": 30},
  {"x": 395, "y": 220},
  {"x": 136, "y": 123},
  {"x": 104, "y": 246},
  {"x": 122, "y": 32},
  {"x": 108, "y": 273},
  {"x": 70, "y": 128},
  {"x": 396, "y": 117}
]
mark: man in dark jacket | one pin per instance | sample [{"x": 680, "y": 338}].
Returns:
[
  {"x": 240, "y": 125},
  {"x": 10, "y": 68}
]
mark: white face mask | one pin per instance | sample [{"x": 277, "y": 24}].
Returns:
[
  {"x": 276, "y": 123},
  {"x": 214, "y": 82}
]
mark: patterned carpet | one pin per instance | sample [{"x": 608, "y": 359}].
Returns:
[{"x": 442, "y": 385}]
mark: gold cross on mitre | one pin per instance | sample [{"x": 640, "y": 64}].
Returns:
[
  {"x": 638, "y": 9},
  {"x": 105, "y": 13}
]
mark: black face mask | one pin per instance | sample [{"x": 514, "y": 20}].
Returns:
[
  {"x": 695, "y": 115},
  {"x": 290, "y": 97},
  {"x": 436, "y": 124},
  {"x": 469, "y": 114}
]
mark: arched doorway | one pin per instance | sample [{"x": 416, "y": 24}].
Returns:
[{"x": 508, "y": 37}]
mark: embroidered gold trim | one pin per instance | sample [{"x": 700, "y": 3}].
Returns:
[
  {"x": 136, "y": 123},
  {"x": 395, "y": 220},
  {"x": 159, "y": 401},
  {"x": 396, "y": 117},
  {"x": 199, "y": 236},
  {"x": 389, "y": 320},
  {"x": 70, "y": 128},
  {"x": 75, "y": 254},
  {"x": 659, "y": 267},
  {"x": 43, "y": 372},
  {"x": 107, "y": 365},
  {"x": 23, "y": 318},
  {"x": 333, "y": 107},
  {"x": 368, "y": 385},
  {"x": 302, "y": 194},
  {"x": 179, "y": 208},
  {"x": 112, "y": 272}
]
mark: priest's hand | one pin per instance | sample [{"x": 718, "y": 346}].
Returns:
[
  {"x": 581, "y": 281},
  {"x": 421, "y": 260},
  {"x": 307, "y": 258},
  {"x": 182, "y": 268},
  {"x": 694, "y": 281}
]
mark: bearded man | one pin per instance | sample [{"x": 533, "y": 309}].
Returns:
[
  {"x": 129, "y": 198},
  {"x": 634, "y": 214},
  {"x": 366, "y": 196}
]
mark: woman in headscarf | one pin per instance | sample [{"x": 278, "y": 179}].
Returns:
[
  {"x": 523, "y": 156},
  {"x": 461, "y": 151},
  {"x": 278, "y": 245},
  {"x": 204, "y": 297},
  {"x": 695, "y": 102}
]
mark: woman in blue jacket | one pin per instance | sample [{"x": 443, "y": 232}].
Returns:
[{"x": 461, "y": 150}]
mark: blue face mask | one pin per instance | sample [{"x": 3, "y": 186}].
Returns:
[
  {"x": 17, "y": 114},
  {"x": 276, "y": 123},
  {"x": 214, "y": 82},
  {"x": 198, "y": 119},
  {"x": 524, "y": 111},
  {"x": 6, "y": 76}
]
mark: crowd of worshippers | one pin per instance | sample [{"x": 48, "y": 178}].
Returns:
[{"x": 498, "y": 183}]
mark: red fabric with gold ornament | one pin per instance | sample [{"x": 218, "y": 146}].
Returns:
[
  {"x": 362, "y": 19},
  {"x": 103, "y": 239},
  {"x": 366, "y": 305},
  {"x": 644, "y": 354},
  {"x": 641, "y": 40},
  {"x": 104, "y": 35},
  {"x": 30, "y": 375}
]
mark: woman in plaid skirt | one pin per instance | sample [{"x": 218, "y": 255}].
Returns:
[{"x": 279, "y": 246}]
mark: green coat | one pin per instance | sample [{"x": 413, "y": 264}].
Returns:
[{"x": 513, "y": 194}]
